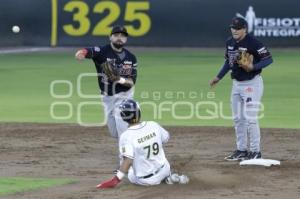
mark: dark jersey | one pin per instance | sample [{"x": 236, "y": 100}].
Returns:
[
  {"x": 251, "y": 45},
  {"x": 126, "y": 64}
]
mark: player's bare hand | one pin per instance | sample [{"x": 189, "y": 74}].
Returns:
[
  {"x": 213, "y": 82},
  {"x": 80, "y": 54}
]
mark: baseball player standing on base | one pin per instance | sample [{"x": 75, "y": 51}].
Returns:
[
  {"x": 116, "y": 84},
  {"x": 143, "y": 156},
  {"x": 245, "y": 57}
]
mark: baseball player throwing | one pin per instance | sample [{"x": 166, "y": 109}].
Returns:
[
  {"x": 141, "y": 147},
  {"x": 117, "y": 73},
  {"x": 246, "y": 57}
]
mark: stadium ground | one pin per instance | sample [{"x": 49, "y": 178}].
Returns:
[{"x": 88, "y": 156}]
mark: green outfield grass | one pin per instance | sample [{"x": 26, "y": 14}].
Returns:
[
  {"x": 166, "y": 78},
  {"x": 15, "y": 185}
]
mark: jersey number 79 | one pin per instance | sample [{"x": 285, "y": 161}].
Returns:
[{"x": 154, "y": 148}]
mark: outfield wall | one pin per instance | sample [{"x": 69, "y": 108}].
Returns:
[{"x": 190, "y": 23}]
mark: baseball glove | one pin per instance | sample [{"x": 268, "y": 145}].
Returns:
[
  {"x": 110, "y": 70},
  {"x": 245, "y": 60}
]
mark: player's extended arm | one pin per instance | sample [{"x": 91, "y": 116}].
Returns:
[
  {"x": 88, "y": 53},
  {"x": 220, "y": 75},
  {"x": 127, "y": 162}
]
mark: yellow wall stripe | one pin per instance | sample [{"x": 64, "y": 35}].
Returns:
[{"x": 54, "y": 23}]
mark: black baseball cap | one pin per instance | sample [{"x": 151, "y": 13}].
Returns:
[
  {"x": 238, "y": 23},
  {"x": 119, "y": 29}
]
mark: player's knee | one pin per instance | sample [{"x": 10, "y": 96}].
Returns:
[
  {"x": 252, "y": 121},
  {"x": 239, "y": 120}
]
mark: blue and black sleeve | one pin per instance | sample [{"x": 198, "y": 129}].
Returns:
[
  {"x": 263, "y": 63},
  {"x": 224, "y": 70},
  {"x": 93, "y": 52},
  {"x": 262, "y": 54}
]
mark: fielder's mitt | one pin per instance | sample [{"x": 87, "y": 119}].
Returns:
[
  {"x": 110, "y": 70},
  {"x": 245, "y": 60}
]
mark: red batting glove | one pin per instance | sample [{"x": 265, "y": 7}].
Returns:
[{"x": 109, "y": 183}]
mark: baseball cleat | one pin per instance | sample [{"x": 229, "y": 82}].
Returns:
[
  {"x": 237, "y": 155},
  {"x": 254, "y": 155},
  {"x": 174, "y": 178}
]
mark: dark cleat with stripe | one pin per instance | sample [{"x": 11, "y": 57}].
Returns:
[
  {"x": 254, "y": 155},
  {"x": 237, "y": 155}
]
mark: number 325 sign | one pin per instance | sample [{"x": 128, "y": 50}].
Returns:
[{"x": 83, "y": 18}]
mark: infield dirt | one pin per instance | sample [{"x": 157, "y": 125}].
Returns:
[{"x": 89, "y": 155}]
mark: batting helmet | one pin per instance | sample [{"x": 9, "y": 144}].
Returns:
[{"x": 130, "y": 111}]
